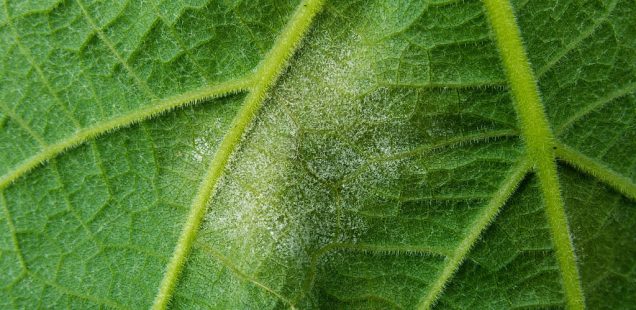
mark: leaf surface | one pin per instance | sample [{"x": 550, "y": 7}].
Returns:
[{"x": 300, "y": 154}]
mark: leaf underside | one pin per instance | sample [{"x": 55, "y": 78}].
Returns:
[{"x": 370, "y": 154}]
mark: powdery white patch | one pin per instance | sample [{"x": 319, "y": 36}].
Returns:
[
  {"x": 205, "y": 144},
  {"x": 277, "y": 204}
]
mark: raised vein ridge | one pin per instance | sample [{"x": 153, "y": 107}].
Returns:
[
  {"x": 486, "y": 217},
  {"x": 539, "y": 140},
  {"x": 594, "y": 106},
  {"x": 590, "y": 166},
  {"x": 81, "y": 136},
  {"x": 266, "y": 75}
]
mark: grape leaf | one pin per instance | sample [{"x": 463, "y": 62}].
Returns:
[{"x": 298, "y": 154}]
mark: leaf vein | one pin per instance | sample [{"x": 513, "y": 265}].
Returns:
[
  {"x": 122, "y": 121},
  {"x": 577, "y": 41},
  {"x": 111, "y": 47},
  {"x": 12, "y": 231},
  {"x": 225, "y": 261},
  {"x": 22, "y": 123},
  {"x": 539, "y": 140},
  {"x": 266, "y": 75},
  {"x": 27, "y": 54},
  {"x": 623, "y": 91},
  {"x": 487, "y": 216},
  {"x": 588, "y": 165}
]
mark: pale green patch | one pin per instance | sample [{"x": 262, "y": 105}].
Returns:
[{"x": 300, "y": 154}]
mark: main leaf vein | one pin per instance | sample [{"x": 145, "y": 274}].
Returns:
[
  {"x": 539, "y": 140},
  {"x": 266, "y": 75}
]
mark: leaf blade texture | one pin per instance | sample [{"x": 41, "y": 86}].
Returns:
[{"x": 301, "y": 154}]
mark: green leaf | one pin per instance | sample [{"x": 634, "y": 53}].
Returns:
[{"x": 298, "y": 154}]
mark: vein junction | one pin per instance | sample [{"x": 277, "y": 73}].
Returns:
[
  {"x": 539, "y": 140},
  {"x": 535, "y": 130},
  {"x": 543, "y": 149}
]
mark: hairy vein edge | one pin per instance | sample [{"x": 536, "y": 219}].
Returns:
[
  {"x": 265, "y": 77},
  {"x": 539, "y": 140},
  {"x": 86, "y": 134},
  {"x": 590, "y": 166},
  {"x": 499, "y": 199}
]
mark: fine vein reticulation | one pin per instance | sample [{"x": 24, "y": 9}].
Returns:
[
  {"x": 539, "y": 140},
  {"x": 543, "y": 149},
  {"x": 266, "y": 75}
]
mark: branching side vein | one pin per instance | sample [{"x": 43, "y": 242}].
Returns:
[
  {"x": 539, "y": 140},
  {"x": 83, "y": 135},
  {"x": 496, "y": 203},
  {"x": 590, "y": 166}
]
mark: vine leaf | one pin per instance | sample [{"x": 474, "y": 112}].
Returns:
[{"x": 317, "y": 154}]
